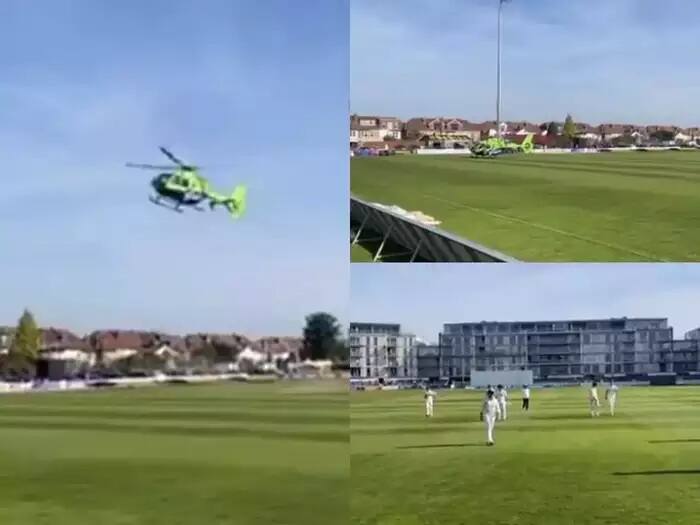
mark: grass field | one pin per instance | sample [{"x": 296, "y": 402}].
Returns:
[
  {"x": 359, "y": 254},
  {"x": 552, "y": 466},
  {"x": 605, "y": 207},
  {"x": 238, "y": 454}
]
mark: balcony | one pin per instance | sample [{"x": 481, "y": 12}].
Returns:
[
  {"x": 554, "y": 341},
  {"x": 568, "y": 351}
]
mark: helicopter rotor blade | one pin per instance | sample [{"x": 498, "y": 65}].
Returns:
[
  {"x": 147, "y": 166},
  {"x": 172, "y": 157}
]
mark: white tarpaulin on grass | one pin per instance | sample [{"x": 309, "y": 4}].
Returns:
[{"x": 418, "y": 216}]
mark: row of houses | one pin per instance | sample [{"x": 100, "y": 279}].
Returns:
[
  {"x": 376, "y": 131},
  {"x": 104, "y": 348}
]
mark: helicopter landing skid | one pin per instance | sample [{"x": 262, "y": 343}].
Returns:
[{"x": 159, "y": 203}]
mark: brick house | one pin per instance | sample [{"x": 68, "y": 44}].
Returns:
[
  {"x": 419, "y": 128},
  {"x": 365, "y": 129},
  {"x": 62, "y": 344},
  {"x": 440, "y": 132}
]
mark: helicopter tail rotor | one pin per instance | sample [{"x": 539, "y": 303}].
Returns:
[{"x": 237, "y": 203}]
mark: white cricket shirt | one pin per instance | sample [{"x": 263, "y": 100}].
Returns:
[{"x": 491, "y": 407}]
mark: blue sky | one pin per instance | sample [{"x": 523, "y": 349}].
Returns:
[
  {"x": 601, "y": 60},
  {"x": 422, "y": 297},
  {"x": 256, "y": 91}
]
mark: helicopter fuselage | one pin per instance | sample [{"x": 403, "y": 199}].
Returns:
[{"x": 181, "y": 194}]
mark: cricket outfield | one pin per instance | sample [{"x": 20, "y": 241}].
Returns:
[
  {"x": 552, "y": 466},
  {"x": 230, "y": 453},
  {"x": 632, "y": 206}
]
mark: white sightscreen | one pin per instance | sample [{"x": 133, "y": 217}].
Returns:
[{"x": 507, "y": 378}]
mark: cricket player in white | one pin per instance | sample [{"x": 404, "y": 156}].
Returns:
[
  {"x": 502, "y": 398},
  {"x": 429, "y": 397},
  {"x": 611, "y": 396},
  {"x": 526, "y": 397},
  {"x": 593, "y": 400},
  {"x": 490, "y": 410}
]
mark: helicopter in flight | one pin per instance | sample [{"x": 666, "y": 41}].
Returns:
[{"x": 181, "y": 185}]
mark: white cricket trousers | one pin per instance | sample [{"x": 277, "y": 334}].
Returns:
[
  {"x": 490, "y": 422},
  {"x": 502, "y": 405},
  {"x": 429, "y": 408},
  {"x": 595, "y": 406},
  {"x": 611, "y": 402}
]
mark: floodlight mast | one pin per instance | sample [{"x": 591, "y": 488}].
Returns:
[{"x": 498, "y": 71}]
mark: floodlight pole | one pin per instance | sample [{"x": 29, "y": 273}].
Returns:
[{"x": 498, "y": 73}]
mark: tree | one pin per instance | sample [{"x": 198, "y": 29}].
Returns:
[
  {"x": 569, "y": 128},
  {"x": 341, "y": 352},
  {"x": 552, "y": 129},
  {"x": 24, "y": 349},
  {"x": 321, "y": 336}
]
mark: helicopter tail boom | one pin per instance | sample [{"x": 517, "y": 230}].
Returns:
[{"x": 234, "y": 203}]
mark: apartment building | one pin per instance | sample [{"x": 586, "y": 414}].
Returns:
[
  {"x": 693, "y": 335},
  {"x": 428, "y": 361},
  {"x": 681, "y": 357},
  {"x": 566, "y": 348},
  {"x": 380, "y": 350}
]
